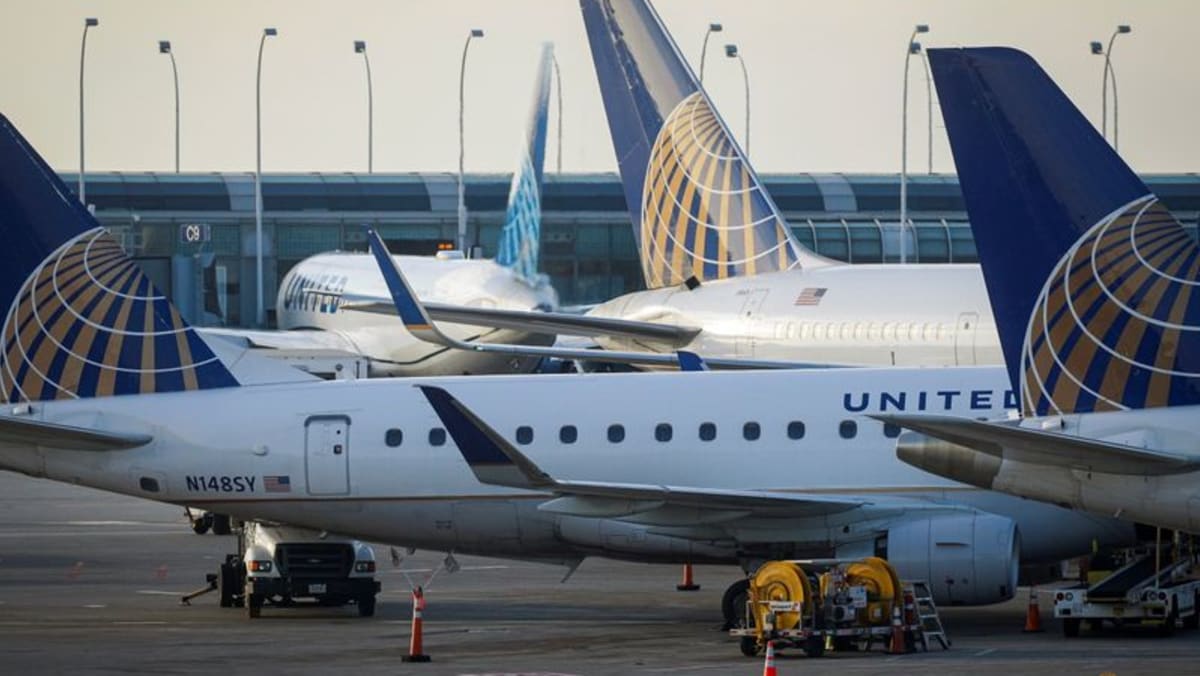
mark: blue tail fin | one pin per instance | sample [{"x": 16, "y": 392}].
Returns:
[
  {"x": 697, "y": 206},
  {"x": 82, "y": 319},
  {"x": 521, "y": 236},
  {"x": 1091, "y": 279}
]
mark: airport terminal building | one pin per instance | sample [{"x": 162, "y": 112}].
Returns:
[{"x": 194, "y": 234}]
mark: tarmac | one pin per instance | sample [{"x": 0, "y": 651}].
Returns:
[{"x": 91, "y": 582}]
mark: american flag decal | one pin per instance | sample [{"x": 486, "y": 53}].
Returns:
[
  {"x": 277, "y": 484},
  {"x": 811, "y": 296}
]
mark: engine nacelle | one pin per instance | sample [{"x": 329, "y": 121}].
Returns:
[{"x": 968, "y": 559}]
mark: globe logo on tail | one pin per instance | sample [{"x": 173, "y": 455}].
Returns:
[
  {"x": 704, "y": 212},
  {"x": 1115, "y": 324}
]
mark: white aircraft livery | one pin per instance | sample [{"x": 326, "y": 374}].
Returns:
[
  {"x": 105, "y": 385},
  {"x": 1093, "y": 283},
  {"x": 326, "y": 302},
  {"x": 717, "y": 255}
]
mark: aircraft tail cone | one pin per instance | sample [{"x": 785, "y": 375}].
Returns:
[
  {"x": 1033, "y": 616},
  {"x": 688, "y": 584},
  {"x": 415, "y": 647}
]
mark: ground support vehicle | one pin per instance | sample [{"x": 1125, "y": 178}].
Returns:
[
  {"x": 1159, "y": 588},
  {"x": 279, "y": 565},
  {"x": 819, "y": 605}
]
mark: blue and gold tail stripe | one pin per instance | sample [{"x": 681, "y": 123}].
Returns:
[
  {"x": 704, "y": 213},
  {"x": 87, "y": 322},
  {"x": 521, "y": 235},
  {"x": 1115, "y": 324}
]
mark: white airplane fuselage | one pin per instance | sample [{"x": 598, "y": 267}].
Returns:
[
  {"x": 230, "y": 450},
  {"x": 903, "y": 315},
  {"x": 311, "y": 298}
]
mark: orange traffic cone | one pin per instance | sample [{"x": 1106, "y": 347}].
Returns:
[
  {"x": 898, "y": 645},
  {"x": 1033, "y": 616},
  {"x": 769, "y": 663},
  {"x": 688, "y": 584},
  {"x": 414, "y": 644}
]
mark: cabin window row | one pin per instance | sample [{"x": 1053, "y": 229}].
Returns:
[{"x": 663, "y": 433}]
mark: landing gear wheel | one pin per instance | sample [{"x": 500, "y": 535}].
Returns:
[
  {"x": 254, "y": 604},
  {"x": 814, "y": 646},
  {"x": 1070, "y": 627},
  {"x": 748, "y": 646},
  {"x": 1167, "y": 628},
  {"x": 733, "y": 604},
  {"x": 221, "y": 524},
  {"x": 202, "y": 523},
  {"x": 226, "y": 585},
  {"x": 366, "y": 605}
]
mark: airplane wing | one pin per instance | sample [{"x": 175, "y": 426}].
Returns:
[
  {"x": 496, "y": 461},
  {"x": 1008, "y": 440},
  {"x": 282, "y": 340},
  {"x": 24, "y": 431},
  {"x": 554, "y": 323},
  {"x": 419, "y": 323}
]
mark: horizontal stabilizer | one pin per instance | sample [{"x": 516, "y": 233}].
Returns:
[
  {"x": 25, "y": 432},
  {"x": 1009, "y": 441}
]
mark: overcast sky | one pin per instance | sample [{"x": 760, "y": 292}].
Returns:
[{"x": 825, "y": 78}]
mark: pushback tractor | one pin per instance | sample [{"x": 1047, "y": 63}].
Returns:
[{"x": 817, "y": 605}]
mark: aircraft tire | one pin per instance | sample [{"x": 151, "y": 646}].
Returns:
[
  {"x": 733, "y": 603},
  {"x": 226, "y": 581},
  {"x": 221, "y": 524}
]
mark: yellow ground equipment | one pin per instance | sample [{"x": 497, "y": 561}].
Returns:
[{"x": 817, "y": 604}]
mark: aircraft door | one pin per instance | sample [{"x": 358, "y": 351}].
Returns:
[
  {"x": 749, "y": 322},
  {"x": 964, "y": 338},
  {"x": 327, "y": 454}
]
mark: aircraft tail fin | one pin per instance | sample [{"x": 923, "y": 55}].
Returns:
[
  {"x": 83, "y": 320},
  {"x": 521, "y": 236},
  {"x": 698, "y": 208},
  {"x": 1091, "y": 279}
]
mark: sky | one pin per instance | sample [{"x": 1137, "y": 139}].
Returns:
[{"x": 825, "y": 79}]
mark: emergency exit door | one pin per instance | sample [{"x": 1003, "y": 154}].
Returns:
[{"x": 327, "y": 455}]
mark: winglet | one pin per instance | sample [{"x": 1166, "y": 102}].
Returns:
[
  {"x": 690, "y": 361},
  {"x": 411, "y": 312},
  {"x": 491, "y": 457}
]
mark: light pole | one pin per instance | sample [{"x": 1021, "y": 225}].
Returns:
[
  {"x": 260, "y": 316},
  {"x": 731, "y": 51},
  {"x": 712, "y": 28},
  {"x": 914, "y": 47},
  {"x": 1109, "y": 72},
  {"x": 558, "y": 91},
  {"x": 164, "y": 47},
  {"x": 360, "y": 47},
  {"x": 462, "y": 205},
  {"x": 928, "y": 107},
  {"x": 87, "y": 23}
]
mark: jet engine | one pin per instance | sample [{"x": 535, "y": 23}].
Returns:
[{"x": 968, "y": 559}]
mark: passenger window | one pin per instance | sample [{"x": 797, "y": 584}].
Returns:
[
  {"x": 891, "y": 431},
  {"x": 437, "y": 436},
  {"x": 795, "y": 430},
  {"x": 616, "y": 433},
  {"x": 848, "y": 429},
  {"x": 663, "y": 432},
  {"x": 708, "y": 431},
  {"x": 393, "y": 437},
  {"x": 524, "y": 435},
  {"x": 751, "y": 431},
  {"x": 567, "y": 434}
]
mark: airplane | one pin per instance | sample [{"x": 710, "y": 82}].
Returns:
[
  {"x": 316, "y": 296},
  {"x": 105, "y": 385},
  {"x": 720, "y": 264},
  {"x": 1092, "y": 282}
]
